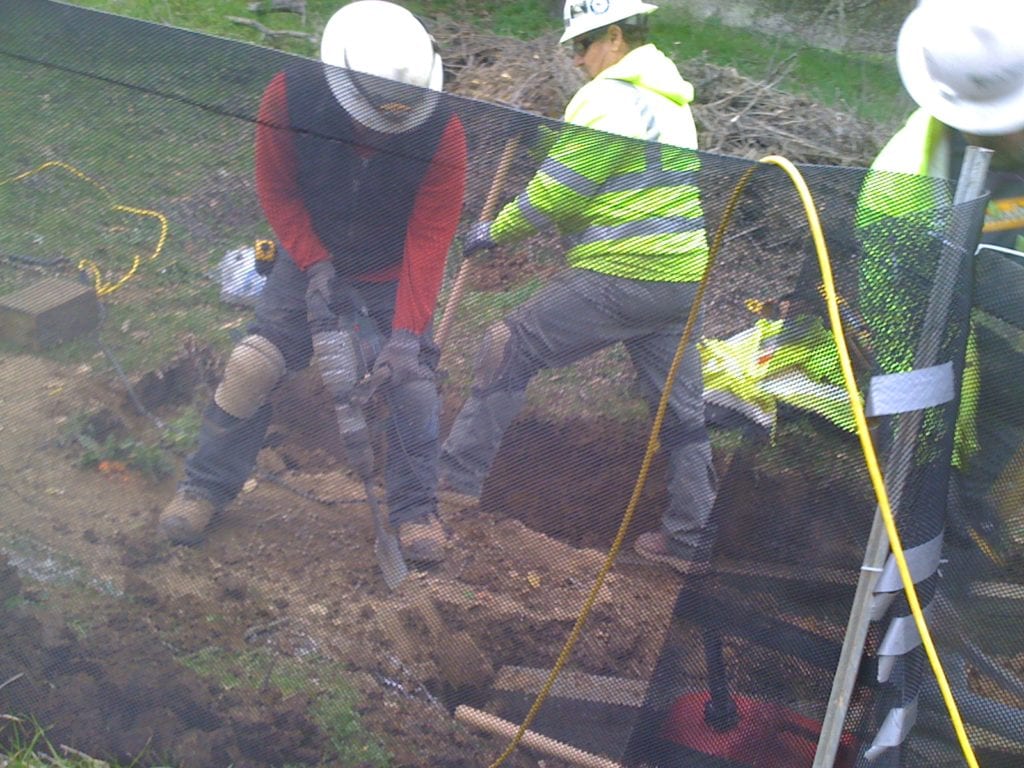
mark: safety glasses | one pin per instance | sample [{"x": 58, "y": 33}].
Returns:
[{"x": 580, "y": 45}]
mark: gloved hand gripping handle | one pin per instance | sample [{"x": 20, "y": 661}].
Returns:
[{"x": 337, "y": 356}]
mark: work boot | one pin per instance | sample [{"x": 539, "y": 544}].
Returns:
[
  {"x": 184, "y": 520},
  {"x": 655, "y": 546},
  {"x": 423, "y": 541},
  {"x": 455, "y": 498}
]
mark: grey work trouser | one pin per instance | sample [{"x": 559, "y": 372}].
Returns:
[
  {"x": 577, "y": 314},
  {"x": 228, "y": 445}
]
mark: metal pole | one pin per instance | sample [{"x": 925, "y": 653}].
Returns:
[{"x": 969, "y": 187}]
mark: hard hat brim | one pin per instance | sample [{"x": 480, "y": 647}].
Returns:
[
  {"x": 593, "y": 21},
  {"x": 353, "y": 101},
  {"x": 993, "y": 117}
]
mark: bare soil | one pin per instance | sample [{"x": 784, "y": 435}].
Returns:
[
  {"x": 101, "y": 622},
  {"x": 95, "y": 628}
]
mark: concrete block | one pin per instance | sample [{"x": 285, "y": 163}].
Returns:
[{"x": 48, "y": 313}]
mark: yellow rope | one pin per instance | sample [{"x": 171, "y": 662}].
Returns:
[
  {"x": 87, "y": 265},
  {"x": 863, "y": 433}
]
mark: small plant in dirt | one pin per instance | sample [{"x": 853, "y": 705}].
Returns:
[
  {"x": 115, "y": 454},
  {"x": 98, "y": 435},
  {"x": 334, "y": 705},
  {"x": 183, "y": 430}
]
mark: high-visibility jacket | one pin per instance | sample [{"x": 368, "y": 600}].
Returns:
[
  {"x": 801, "y": 369},
  {"x": 620, "y": 178},
  {"x": 924, "y": 146}
]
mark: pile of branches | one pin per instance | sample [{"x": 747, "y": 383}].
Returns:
[
  {"x": 735, "y": 115},
  {"x": 533, "y": 75},
  {"x": 749, "y": 118}
]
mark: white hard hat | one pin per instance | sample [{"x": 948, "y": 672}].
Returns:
[
  {"x": 582, "y": 16},
  {"x": 382, "y": 65},
  {"x": 963, "y": 63}
]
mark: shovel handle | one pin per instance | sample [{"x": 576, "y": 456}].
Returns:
[
  {"x": 500, "y": 727},
  {"x": 486, "y": 214}
]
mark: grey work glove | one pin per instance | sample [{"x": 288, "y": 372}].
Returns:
[
  {"x": 318, "y": 291},
  {"x": 477, "y": 238},
  {"x": 400, "y": 355}
]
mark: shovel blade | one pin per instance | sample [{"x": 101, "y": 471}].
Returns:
[
  {"x": 385, "y": 546},
  {"x": 389, "y": 557}
]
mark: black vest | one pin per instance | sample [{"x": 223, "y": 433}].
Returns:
[{"x": 360, "y": 206}]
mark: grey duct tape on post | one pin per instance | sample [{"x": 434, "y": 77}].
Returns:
[{"x": 910, "y": 391}]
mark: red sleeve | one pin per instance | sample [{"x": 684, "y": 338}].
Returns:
[
  {"x": 432, "y": 226},
  {"x": 276, "y": 180}
]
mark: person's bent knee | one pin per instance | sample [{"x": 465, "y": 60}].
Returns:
[
  {"x": 491, "y": 354},
  {"x": 254, "y": 368},
  {"x": 503, "y": 361}
]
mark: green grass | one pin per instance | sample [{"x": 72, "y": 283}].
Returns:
[
  {"x": 864, "y": 84},
  {"x": 28, "y": 747},
  {"x": 334, "y": 698},
  {"x": 867, "y": 85}
]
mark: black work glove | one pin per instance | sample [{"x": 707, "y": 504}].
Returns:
[
  {"x": 400, "y": 355},
  {"x": 318, "y": 291},
  {"x": 477, "y": 238}
]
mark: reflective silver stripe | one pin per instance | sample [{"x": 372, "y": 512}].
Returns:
[
  {"x": 650, "y": 179},
  {"x": 569, "y": 178},
  {"x": 923, "y": 561},
  {"x": 898, "y": 723},
  {"x": 533, "y": 215},
  {"x": 901, "y": 637},
  {"x": 652, "y": 176},
  {"x": 647, "y": 227},
  {"x": 910, "y": 391}
]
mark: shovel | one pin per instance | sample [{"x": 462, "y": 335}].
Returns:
[
  {"x": 356, "y": 441},
  {"x": 386, "y": 548},
  {"x": 486, "y": 214}
]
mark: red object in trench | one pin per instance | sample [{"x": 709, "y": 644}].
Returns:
[{"x": 766, "y": 735}]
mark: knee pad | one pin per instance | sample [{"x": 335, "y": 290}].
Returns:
[{"x": 253, "y": 370}]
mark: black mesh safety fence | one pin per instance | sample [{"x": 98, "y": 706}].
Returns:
[{"x": 225, "y": 541}]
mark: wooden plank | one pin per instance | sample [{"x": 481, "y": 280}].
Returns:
[
  {"x": 574, "y": 685},
  {"x": 507, "y": 730}
]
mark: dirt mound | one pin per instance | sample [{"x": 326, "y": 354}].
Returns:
[{"x": 119, "y": 694}]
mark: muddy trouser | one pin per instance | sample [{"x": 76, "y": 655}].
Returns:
[
  {"x": 228, "y": 445},
  {"x": 574, "y": 316}
]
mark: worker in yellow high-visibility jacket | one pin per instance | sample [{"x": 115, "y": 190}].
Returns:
[{"x": 967, "y": 78}]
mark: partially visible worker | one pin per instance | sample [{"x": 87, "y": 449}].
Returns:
[
  {"x": 964, "y": 67},
  {"x": 630, "y": 212},
  {"x": 360, "y": 171}
]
